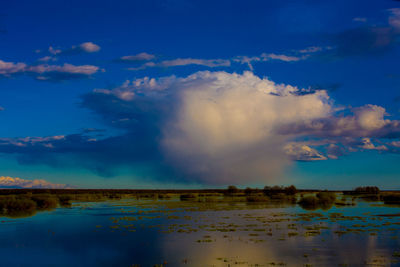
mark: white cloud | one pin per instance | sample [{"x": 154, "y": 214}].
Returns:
[
  {"x": 282, "y": 57},
  {"x": 216, "y": 127},
  {"x": 54, "y": 51},
  {"x": 89, "y": 47},
  {"x": 367, "y": 121},
  {"x": 225, "y": 126},
  {"x": 394, "y": 18},
  {"x": 293, "y": 56},
  {"x": 10, "y": 182},
  {"x": 303, "y": 152},
  {"x": 367, "y": 144},
  {"x": 66, "y": 68},
  {"x": 371, "y": 117},
  {"x": 47, "y": 58},
  {"x": 8, "y": 68},
  {"x": 311, "y": 49},
  {"x": 86, "y": 47},
  {"x": 31, "y": 141},
  {"x": 47, "y": 71},
  {"x": 395, "y": 143},
  {"x": 138, "y": 57},
  {"x": 211, "y": 63}
]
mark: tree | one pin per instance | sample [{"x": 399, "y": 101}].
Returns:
[
  {"x": 290, "y": 190},
  {"x": 367, "y": 190},
  {"x": 248, "y": 191},
  {"x": 232, "y": 189}
]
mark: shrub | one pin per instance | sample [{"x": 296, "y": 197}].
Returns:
[
  {"x": 248, "y": 191},
  {"x": 289, "y": 190},
  {"x": 188, "y": 197},
  {"x": 326, "y": 197},
  {"x": 309, "y": 201},
  {"x": 391, "y": 199},
  {"x": 164, "y": 196},
  {"x": 17, "y": 207},
  {"x": 367, "y": 190},
  {"x": 231, "y": 190},
  {"x": 256, "y": 198},
  {"x": 65, "y": 200},
  {"x": 322, "y": 200},
  {"x": 45, "y": 201}
]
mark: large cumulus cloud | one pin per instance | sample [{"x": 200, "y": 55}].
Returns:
[
  {"x": 213, "y": 128},
  {"x": 224, "y": 127}
]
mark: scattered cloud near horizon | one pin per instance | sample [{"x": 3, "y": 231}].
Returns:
[{"x": 10, "y": 182}]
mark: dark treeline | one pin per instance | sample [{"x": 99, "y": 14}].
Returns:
[
  {"x": 365, "y": 190},
  {"x": 373, "y": 193}
]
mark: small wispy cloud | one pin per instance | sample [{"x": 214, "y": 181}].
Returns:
[
  {"x": 281, "y": 57},
  {"x": 48, "y": 72},
  {"x": 138, "y": 57},
  {"x": 89, "y": 47},
  {"x": 293, "y": 56},
  {"x": 360, "y": 19},
  {"x": 211, "y": 63},
  {"x": 152, "y": 62},
  {"x": 47, "y": 59},
  {"x": 86, "y": 47}
]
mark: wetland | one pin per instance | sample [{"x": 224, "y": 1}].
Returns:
[{"x": 232, "y": 227}]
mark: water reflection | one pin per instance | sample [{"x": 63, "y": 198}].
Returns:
[{"x": 149, "y": 232}]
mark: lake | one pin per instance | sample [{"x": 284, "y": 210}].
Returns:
[{"x": 151, "y": 232}]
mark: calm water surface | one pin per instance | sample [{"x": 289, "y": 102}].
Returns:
[{"x": 174, "y": 233}]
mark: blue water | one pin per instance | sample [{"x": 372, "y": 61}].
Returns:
[{"x": 120, "y": 234}]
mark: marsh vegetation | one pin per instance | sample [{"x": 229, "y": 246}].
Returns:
[{"x": 26, "y": 202}]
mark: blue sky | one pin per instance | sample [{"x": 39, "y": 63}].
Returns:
[{"x": 200, "y": 93}]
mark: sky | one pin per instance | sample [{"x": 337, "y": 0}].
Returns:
[{"x": 199, "y": 94}]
